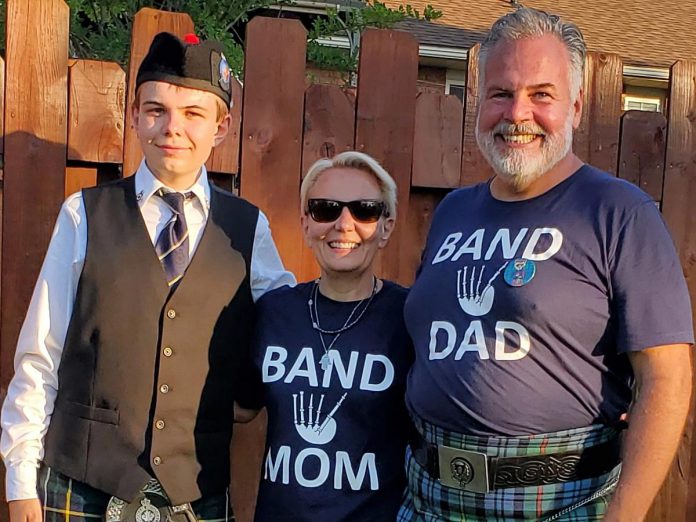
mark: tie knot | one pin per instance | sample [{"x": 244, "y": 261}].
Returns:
[{"x": 175, "y": 200}]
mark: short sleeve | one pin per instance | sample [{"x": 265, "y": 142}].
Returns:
[{"x": 650, "y": 299}]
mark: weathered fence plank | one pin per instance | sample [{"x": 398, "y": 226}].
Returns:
[
  {"x": 474, "y": 166},
  {"x": 147, "y": 23},
  {"x": 34, "y": 155},
  {"x": 677, "y": 500},
  {"x": 421, "y": 206},
  {"x": 596, "y": 141},
  {"x": 77, "y": 178},
  {"x": 329, "y": 123},
  {"x": 225, "y": 157},
  {"x": 642, "y": 153},
  {"x": 97, "y": 105},
  {"x": 437, "y": 141},
  {"x": 329, "y": 128},
  {"x": 2, "y": 107},
  {"x": 274, "y": 85},
  {"x": 387, "y": 76}
]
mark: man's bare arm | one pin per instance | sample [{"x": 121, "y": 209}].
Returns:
[{"x": 663, "y": 378}]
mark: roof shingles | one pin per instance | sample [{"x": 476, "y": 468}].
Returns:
[{"x": 642, "y": 32}]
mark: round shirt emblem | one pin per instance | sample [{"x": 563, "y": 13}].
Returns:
[{"x": 519, "y": 272}]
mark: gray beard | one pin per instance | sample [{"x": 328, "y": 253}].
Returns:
[{"x": 519, "y": 169}]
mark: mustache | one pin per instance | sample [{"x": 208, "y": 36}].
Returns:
[{"x": 518, "y": 128}]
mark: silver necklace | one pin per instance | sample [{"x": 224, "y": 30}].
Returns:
[{"x": 325, "y": 361}]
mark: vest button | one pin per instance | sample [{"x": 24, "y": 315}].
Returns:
[
  {"x": 160, "y": 426},
  {"x": 171, "y": 313},
  {"x": 157, "y": 461},
  {"x": 168, "y": 351},
  {"x": 164, "y": 388}
]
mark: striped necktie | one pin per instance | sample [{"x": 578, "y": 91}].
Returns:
[{"x": 172, "y": 245}]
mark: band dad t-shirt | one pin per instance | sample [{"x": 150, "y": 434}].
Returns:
[
  {"x": 522, "y": 312},
  {"x": 336, "y": 435}
]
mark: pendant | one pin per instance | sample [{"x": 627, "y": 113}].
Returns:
[
  {"x": 325, "y": 362},
  {"x": 519, "y": 272}
]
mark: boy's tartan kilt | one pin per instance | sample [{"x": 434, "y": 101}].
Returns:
[
  {"x": 426, "y": 500},
  {"x": 67, "y": 500}
]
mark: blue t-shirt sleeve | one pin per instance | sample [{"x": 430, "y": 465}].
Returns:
[{"x": 649, "y": 294}]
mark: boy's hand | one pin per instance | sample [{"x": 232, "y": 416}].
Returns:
[{"x": 28, "y": 510}]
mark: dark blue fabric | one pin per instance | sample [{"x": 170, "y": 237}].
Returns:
[
  {"x": 172, "y": 244},
  {"x": 497, "y": 359},
  {"x": 352, "y": 470}
]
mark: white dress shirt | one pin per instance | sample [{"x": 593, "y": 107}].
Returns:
[{"x": 27, "y": 410}]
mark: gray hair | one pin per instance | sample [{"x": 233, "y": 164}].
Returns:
[
  {"x": 530, "y": 23},
  {"x": 354, "y": 160}
]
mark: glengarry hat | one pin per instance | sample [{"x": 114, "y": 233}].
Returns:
[{"x": 189, "y": 63}]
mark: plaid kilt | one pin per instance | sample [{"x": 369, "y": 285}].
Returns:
[
  {"x": 67, "y": 500},
  {"x": 426, "y": 500}
]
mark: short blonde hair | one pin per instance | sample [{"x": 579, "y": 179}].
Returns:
[{"x": 354, "y": 160}]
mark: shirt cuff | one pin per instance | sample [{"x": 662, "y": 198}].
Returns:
[{"x": 20, "y": 480}]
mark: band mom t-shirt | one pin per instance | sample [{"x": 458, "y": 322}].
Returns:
[
  {"x": 523, "y": 312},
  {"x": 336, "y": 435}
]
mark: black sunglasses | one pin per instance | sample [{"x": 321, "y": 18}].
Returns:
[{"x": 362, "y": 210}]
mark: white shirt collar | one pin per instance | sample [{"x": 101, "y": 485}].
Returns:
[{"x": 146, "y": 185}]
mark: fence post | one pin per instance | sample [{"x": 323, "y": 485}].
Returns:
[
  {"x": 596, "y": 141},
  {"x": 274, "y": 85},
  {"x": 642, "y": 151},
  {"x": 677, "y": 501},
  {"x": 329, "y": 129},
  {"x": 387, "y": 76},
  {"x": 35, "y": 153}
]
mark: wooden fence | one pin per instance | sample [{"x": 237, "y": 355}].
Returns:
[{"x": 66, "y": 126}]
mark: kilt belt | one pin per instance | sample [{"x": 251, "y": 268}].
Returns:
[
  {"x": 476, "y": 471},
  {"x": 67, "y": 500},
  {"x": 430, "y": 499}
]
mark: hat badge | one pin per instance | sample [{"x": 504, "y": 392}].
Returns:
[{"x": 225, "y": 73}]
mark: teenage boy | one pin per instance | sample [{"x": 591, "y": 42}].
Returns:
[{"x": 132, "y": 350}]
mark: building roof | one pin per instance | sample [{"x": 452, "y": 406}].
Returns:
[{"x": 646, "y": 33}]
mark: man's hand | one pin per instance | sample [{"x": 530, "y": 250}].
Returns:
[{"x": 28, "y": 510}]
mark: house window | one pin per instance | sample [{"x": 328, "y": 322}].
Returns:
[
  {"x": 457, "y": 90},
  {"x": 640, "y": 103},
  {"x": 455, "y": 83}
]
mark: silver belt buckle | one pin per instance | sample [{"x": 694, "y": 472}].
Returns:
[{"x": 463, "y": 469}]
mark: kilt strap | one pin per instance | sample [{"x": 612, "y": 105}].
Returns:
[{"x": 510, "y": 472}]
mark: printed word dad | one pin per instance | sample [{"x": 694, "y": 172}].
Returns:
[{"x": 474, "y": 341}]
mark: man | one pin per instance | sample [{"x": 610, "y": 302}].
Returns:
[
  {"x": 131, "y": 353},
  {"x": 542, "y": 295}
]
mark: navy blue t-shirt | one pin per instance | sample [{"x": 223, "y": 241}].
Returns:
[
  {"x": 336, "y": 438},
  {"x": 500, "y": 353}
]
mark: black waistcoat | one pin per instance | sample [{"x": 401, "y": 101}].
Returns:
[{"x": 135, "y": 354}]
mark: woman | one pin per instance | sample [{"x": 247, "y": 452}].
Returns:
[{"x": 333, "y": 356}]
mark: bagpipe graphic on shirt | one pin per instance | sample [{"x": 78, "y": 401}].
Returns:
[
  {"x": 484, "y": 263},
  {"x": 315, "y": 429},
  {"x": 318, "y": 413}
]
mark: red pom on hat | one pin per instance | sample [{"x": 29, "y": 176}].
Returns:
[{"x": 191, "y": 38}]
